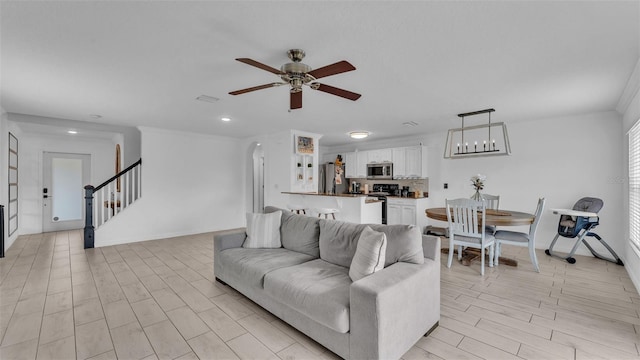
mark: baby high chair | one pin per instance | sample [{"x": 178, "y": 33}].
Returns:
[{"x": 579, "y": 222}]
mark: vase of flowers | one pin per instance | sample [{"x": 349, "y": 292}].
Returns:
[{"x": 477, "y": 181}]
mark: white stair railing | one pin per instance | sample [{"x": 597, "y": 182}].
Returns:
[{"x": 108, "y": 199}]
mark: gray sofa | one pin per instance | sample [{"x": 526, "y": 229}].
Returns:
[{"x": 306, "y": 283}]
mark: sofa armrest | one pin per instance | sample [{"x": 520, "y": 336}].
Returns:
[
  {"x": 431, "y": 247},
  {"x": 392, "y": 308},
  {"x": 229, "y": 240}
]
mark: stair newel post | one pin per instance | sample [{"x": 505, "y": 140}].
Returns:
[
  {"x": 88, "y": 219},
  {"x": 1, "y": 231}
]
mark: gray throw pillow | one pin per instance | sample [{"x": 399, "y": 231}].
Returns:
[
  {"x": 263, "y": 231},
  {"x": 370, "y": 254}
]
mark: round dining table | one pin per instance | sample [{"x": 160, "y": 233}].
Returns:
[{"x": 492, "y": 217}]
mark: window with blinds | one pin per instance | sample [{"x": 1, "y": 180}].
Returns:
[{"x": 634, "y": 186}]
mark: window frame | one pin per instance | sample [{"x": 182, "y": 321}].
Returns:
[{"x": 634, "y": 187}]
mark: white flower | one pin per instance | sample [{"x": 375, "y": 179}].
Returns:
[{"x": 477, "y": 181}]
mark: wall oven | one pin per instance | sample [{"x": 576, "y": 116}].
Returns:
[{"x": 380, "y": 171}]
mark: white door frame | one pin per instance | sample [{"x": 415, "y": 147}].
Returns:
[{"x": 48, "y": 223}]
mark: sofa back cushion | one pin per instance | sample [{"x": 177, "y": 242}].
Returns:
[
  {"x": 339, "y": 240},
  {"x": 298, "y": 233},
  {"x": 404, "y": 243}
]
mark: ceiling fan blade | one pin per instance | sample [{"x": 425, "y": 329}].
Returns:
[
  {"x": 260, "y": 66},
  {"x": 259, "y": 87},
  {"x": 296, "y": 100},
  {"x": 337, "y": 68},
  {"x": 336, "y": 91}
]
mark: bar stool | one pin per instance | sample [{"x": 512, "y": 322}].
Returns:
[
  {"x": 326, "y": 212},
  {"x": 298, "y": 209}
]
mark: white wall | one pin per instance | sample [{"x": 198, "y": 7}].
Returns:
[
  {"x": 30, "y": 177},
  {"x": 562, "y": 159},
  {"x": 191, "y": 183},
  {"x": 279, "y": 164}
]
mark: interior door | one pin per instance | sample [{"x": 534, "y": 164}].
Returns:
[{"x": 65, "y": 176}]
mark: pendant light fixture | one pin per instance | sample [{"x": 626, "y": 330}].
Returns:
[{"x": 478, "y": 140}]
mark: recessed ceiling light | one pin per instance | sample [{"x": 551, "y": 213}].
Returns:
[
  {"x": 95, "y": 116},
  {"x": 358, "y": 134},
  {"x": 207, "y": 98},
  {"x": 225, "y": 119},
  {"x": 72, "y": 132},
  {"x": 410, "y": 123}
]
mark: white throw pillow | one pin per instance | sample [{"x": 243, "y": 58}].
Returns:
[
  {"x": 263, "y": 231},
  {"x": 370, "y": 254}
]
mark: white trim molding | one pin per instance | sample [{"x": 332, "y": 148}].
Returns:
[{"x": 630, "y": 91}]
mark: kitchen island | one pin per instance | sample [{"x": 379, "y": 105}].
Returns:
[{"x": 355, "y": 208}]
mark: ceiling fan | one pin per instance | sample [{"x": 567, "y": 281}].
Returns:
[{"x": 297, "y": 74}]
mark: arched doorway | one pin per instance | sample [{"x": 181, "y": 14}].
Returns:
[{"x": 257, "y": 159}]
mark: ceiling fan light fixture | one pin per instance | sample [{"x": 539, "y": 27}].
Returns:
[
  {"x": 207, "y": 98},
  {"x": 359, "y": 134}
]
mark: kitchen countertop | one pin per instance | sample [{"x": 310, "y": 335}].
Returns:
[
  {"x": 351, "y": 195},
  {"x": 325, "y": 194},
  {"x": 410, "y": 198}
]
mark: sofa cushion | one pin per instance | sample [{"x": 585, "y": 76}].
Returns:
[
  {"x": 370, "y": 253},
  {"x": 338, "y": 241},
  {"x": 300, "y": 233},
  {"x": 404, "y": 243},
  {"x": 317, "y": 289},
  {"x": 249, "y": 266},
  {"x": 263, "y": 231}
]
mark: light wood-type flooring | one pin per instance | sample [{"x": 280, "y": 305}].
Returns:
[{"x": 158, "y": 299}]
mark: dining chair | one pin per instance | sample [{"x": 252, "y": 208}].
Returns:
[
  {"x": 466, "y": 220},
  {"x": 492, "y": 202},
  {"x": 521, "y": 239}
]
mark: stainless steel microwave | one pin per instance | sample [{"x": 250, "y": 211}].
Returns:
[{"x": 380, "y": 171}]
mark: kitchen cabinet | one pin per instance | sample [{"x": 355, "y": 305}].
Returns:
[
  {"x": 350, "y": 166},
  {"x": 410, "y": 162},
  {"x": 398, "y": 156},
  {"x": 407, "y": 211},
  {"x": 379, "y": 156},
  {"x": 362, "y": 158}
]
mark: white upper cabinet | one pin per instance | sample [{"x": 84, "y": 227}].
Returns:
[
  {"x": 351, "y": 165},
  {"x": 380, "y": 156},
  {"x": 398, "y": 162},
  {"x": 361, "y": 164},
  {"x": 415, "y": 161},
  {"x": 410, "y": 162}
]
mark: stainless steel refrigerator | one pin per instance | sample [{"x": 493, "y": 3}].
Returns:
[{"x": 327, "y": 179}]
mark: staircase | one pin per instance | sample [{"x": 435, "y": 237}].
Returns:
[{"x": 108, "y": 199}]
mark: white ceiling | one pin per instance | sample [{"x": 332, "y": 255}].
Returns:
[{"x": 144, "y": 63}]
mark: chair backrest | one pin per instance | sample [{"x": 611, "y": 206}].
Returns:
[
  {"x": 466, "y": 217},
  {"x": 589, "y": 204},
  {"x": 492, "y": 201},
  {"x": 536, "y": 221}
]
